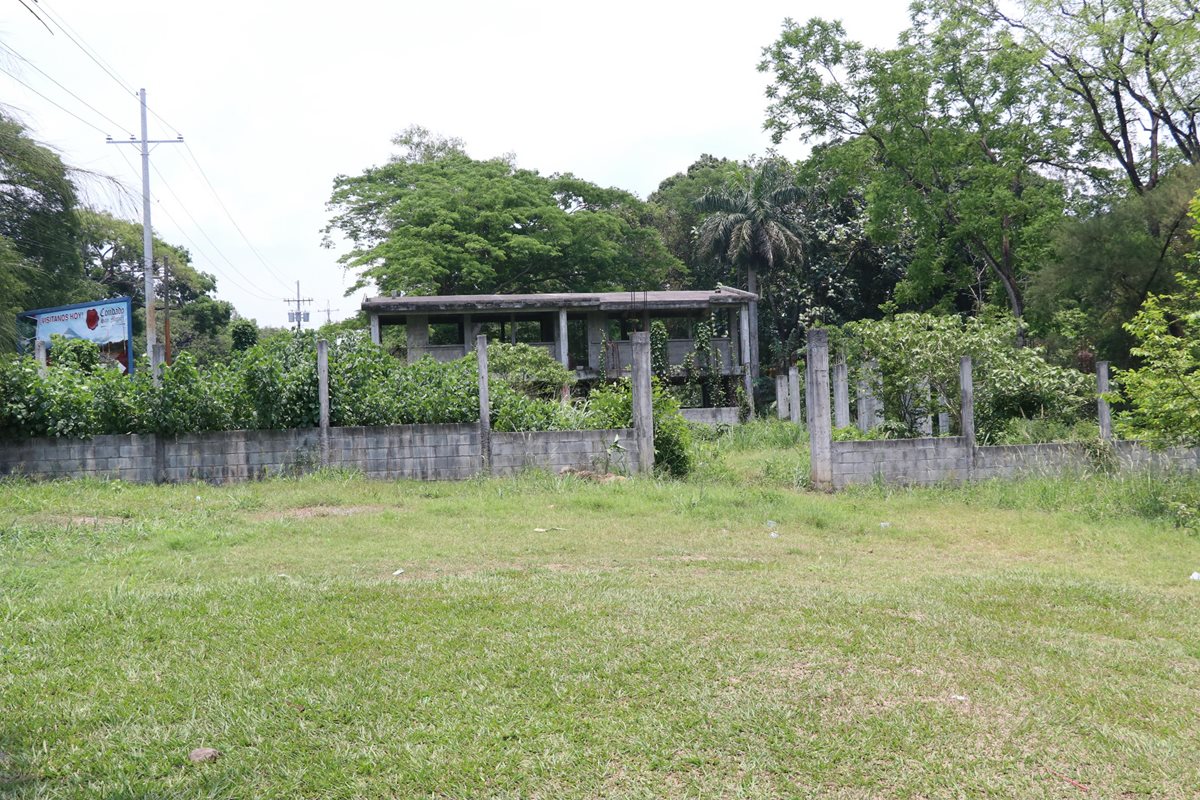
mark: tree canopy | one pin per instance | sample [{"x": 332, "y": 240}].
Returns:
[{"x": 436, "y": 221}]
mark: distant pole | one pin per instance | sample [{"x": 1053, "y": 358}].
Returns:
[
  {"x": 820, "y": 431},
  {"x": 793, "y": 383},
  {"x": 1102, "y": 409},
  {"x": 841, "y": 392},
  {"x": 485, "y": 405},
  {"x": 643, "y": 405},
  {"x": 323, "y": 396},
  {"x": 298, "y": 301},
  {"x": 39, "y": 353},
  {"x": 966, "y": 385},
  {"x": 328, "y": 312},
  {"x": 147, "y": 229}
]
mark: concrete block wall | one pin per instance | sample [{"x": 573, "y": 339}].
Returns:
[
  {"x": 130, "y": 458},
  {"x": 933, "y": 460},
  {"x": 919, "y": 461},
  {"x": 1011, "y": 460},
  {"x": 556, "y": 450},
  {"x": 723, "y": 415},
  {"x": 426, "y": 452}
]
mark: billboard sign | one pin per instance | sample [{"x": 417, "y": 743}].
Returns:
[{"x": 108, "y": 323}]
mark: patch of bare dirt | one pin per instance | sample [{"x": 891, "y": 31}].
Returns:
[
  {"x": 310, "y": 512},
  {"x": 67, "y": 520}
]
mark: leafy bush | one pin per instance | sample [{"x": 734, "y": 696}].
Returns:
[
  {"x": 273, "y": 385},
  {"x": 528, "y": 369},
  {"x": 918, "y": 357},
  {"x": 431, "y": 392},
  {"x": 1164, "y": 393},
  {"x": 611, "y": 406},
  {"x": 77, "y": 354}
]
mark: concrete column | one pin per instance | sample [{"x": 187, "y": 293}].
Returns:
[
  {"x": 157, "y": 357},
  {"x": 416, "y": 331},
  {"x": 560, "y": 339},
  {"x": 943, "y": 415},
  {"x": 841, "y": 392},
  {"x": 925, "y": 421},
  {"x": 864, "y": 409},
  {"x": 485, "y": 406},
  {"x": 376, "y": 330},
  {"x": 595, "y": 337},
  {"x": 966, "y": 383},
  {"x": 808, "y": 390},
  {"x": 735, "y": 340},
  {"x": 1103, "y": 411},
  {"x": 39, "y": 355},
  {"x": 470, "y": 331},
  {"x": 323, "y": 396},
  {"x": 782, "y": 398},
  {"x": 743, "y": 335},
  {"x": 643, "y": 406},
  {"x": 793, "y": 383},
  {"x": 512, "y": 328},
  {"x": 820, "y": 432}
]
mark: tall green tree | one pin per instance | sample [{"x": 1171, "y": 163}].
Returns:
[
  {"x": 39, "y": 253},
  {"x": 753, "y": 225},
  {"x": 963, "y": 148},
  {"x": 1125, "y": 78},
  {"x": 436, "y": 221},
  {"x": 680, "y": 217}
]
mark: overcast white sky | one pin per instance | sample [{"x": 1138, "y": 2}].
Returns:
[{"x": 276, "y": 98}]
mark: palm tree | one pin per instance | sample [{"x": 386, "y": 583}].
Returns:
[{"x": 752, "y": 225}]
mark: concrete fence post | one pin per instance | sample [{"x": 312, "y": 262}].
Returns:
[
  {"x": 820, "y": 433},
  {"x": 39, "y": 354},
  {"x": 841, "y": 392},
  {"x": 485, "y": 406},
  {"x": 323, "y": 396},
  {"x": 966, "y": 384},
  {"x": 793, "y": 383},
  {"x": 925, "y": 421},
  {"x": 864, "y": 410},
  {"x": 782, "y": 400},
  {"x": 643, "y": 404},
  {"x": 943, "y": 415},
  {"x": 157, "y": 357},
  {"x": 560, "y": 339},
  {"x": 1103, "y": 411},
  {"x": 808, "y": 391}
]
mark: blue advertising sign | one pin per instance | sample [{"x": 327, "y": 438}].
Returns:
[{"x": 108, "y": 323}]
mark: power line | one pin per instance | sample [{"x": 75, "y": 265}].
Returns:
[
  {"x": 67, "y": 30},
  {"x": 56, "y": 105},
  {"x": 117, "y": 125},
  {"x": 201, "y": 230},
  {"x": 225, "y": 208},
  {"x": 256, "y": 293},
  {"x": 94, "y": 54}
]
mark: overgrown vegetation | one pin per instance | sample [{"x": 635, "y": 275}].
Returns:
[
  {"x": 273, "y": 385},
  {"x": 918, "y": 371}
]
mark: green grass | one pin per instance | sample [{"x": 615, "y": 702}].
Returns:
[{"x": 653, "y": 640}]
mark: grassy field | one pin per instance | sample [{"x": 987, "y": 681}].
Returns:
[{"x": 553, "y": 638}]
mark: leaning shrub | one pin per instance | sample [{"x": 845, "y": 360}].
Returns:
[{"x": 611, "y": 406}]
